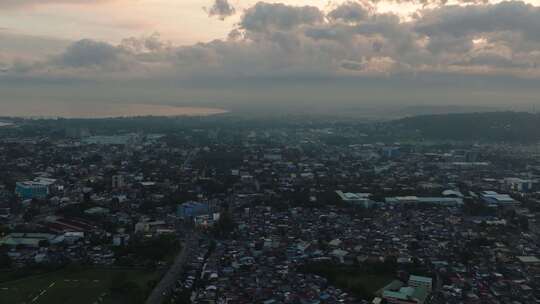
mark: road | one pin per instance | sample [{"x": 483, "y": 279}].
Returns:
[{"x": 164, "y": 288}]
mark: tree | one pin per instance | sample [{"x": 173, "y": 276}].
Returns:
[
  {"x": 5, "y": 261},
  {"x": 118, "y": 281},
  {"x": 225, "y": 224}
]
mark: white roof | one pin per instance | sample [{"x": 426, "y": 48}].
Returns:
[{"x": 528, "y": 259}]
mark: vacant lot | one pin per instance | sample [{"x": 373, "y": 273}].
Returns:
[{"x": 82, "y": 286}]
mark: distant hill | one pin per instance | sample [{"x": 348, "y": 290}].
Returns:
[{"x": 487, "y": 126}]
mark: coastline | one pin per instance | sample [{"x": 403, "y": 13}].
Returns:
[{"x": 36, "y": 111}]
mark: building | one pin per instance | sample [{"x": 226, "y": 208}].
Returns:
[
  {"x": 406, "y": 295},
  {"x": 391, "y": 152},
  {"x": 519, "y": 185},
  {"x": 119, "y": 140},
  {"x": 494, "y": 199},
  {"x": 72, "y": 237},
  {"x": 39, "y": 188},
  {"x": 33, "y": 240},
  {"x": 437, "y": 201},
  {"x": 273, "y": 157},
  {"x": 418, "y": 281},
  {"x": 5, "y": 213},
  {"x": 357, "y": 199},
  {"x": 416, "y": 291},
  {"x": 120, "y": 239},
  {"x": 118, "y": 181},
  {"x": 192, "y": 209},
  {"x": 32, "y": 189},
  {"x": 529, "y": 260}
]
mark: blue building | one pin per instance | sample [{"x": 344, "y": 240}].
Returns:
[
  {"x": 391, "y": 152},
  {"x": 32, "y": 189},
  {"x": 192, "y": 209},
  {"x": 495, "y": 199}
]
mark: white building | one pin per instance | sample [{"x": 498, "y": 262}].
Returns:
[{"x": 358, "y": 199}]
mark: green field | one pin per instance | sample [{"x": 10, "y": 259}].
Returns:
[
  {"x": 353, "y": 279},
  {"x": 83, "y": 286},
  {"x": 364, "y": 285}
]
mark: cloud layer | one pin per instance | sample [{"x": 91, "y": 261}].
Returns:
[{"x": 352, "y": 40}]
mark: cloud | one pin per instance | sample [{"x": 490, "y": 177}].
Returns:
[
  {"x": 353, "y": 39},
  {"x": 15, "y": 46},
  {"x": 493, "y": 60},
  {"x": 222, "y": 9},
  {"x": 152, "y": 43},
  {"x": 88, "y": 52},
  {"x": 350, "y": 11},
  {"x": 297, "y": 56},
  {"x": 264, "y": 17},
  {"x": 433, "y": 3},
  {"x": 460, "y": 21}
]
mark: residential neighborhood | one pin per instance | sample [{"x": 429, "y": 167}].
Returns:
[{"x": 274, "y": 215}]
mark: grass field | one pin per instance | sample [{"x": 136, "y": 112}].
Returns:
[
  {"x": 363, "y": 284},
  {"x": 83, "y": 286},
  {"x": 353, "y": 279}
]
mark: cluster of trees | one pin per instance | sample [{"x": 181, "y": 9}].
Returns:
[
  {"x": 5, "y": 261},
  {"x": 488, "y": 126},
  {"x": 148, "y": 252},
  {"x": 352, "y": 277},
  {"x": 124, "y": 290},
  {"x": 225, "y": 225}
]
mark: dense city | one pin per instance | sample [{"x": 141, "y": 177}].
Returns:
[{"x": 212, "y": 212}]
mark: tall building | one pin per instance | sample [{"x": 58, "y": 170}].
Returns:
[{"x": 118, "y": 181}]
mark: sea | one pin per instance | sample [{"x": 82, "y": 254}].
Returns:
[{"x": 99, "y": 110}]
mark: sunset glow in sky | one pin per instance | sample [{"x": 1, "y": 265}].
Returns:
[{"x": 181, "y": 21}]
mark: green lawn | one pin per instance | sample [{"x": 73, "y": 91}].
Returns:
[{"x": 85, "y": 286}]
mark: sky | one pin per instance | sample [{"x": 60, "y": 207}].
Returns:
[{"x": 270, "y": 54}]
